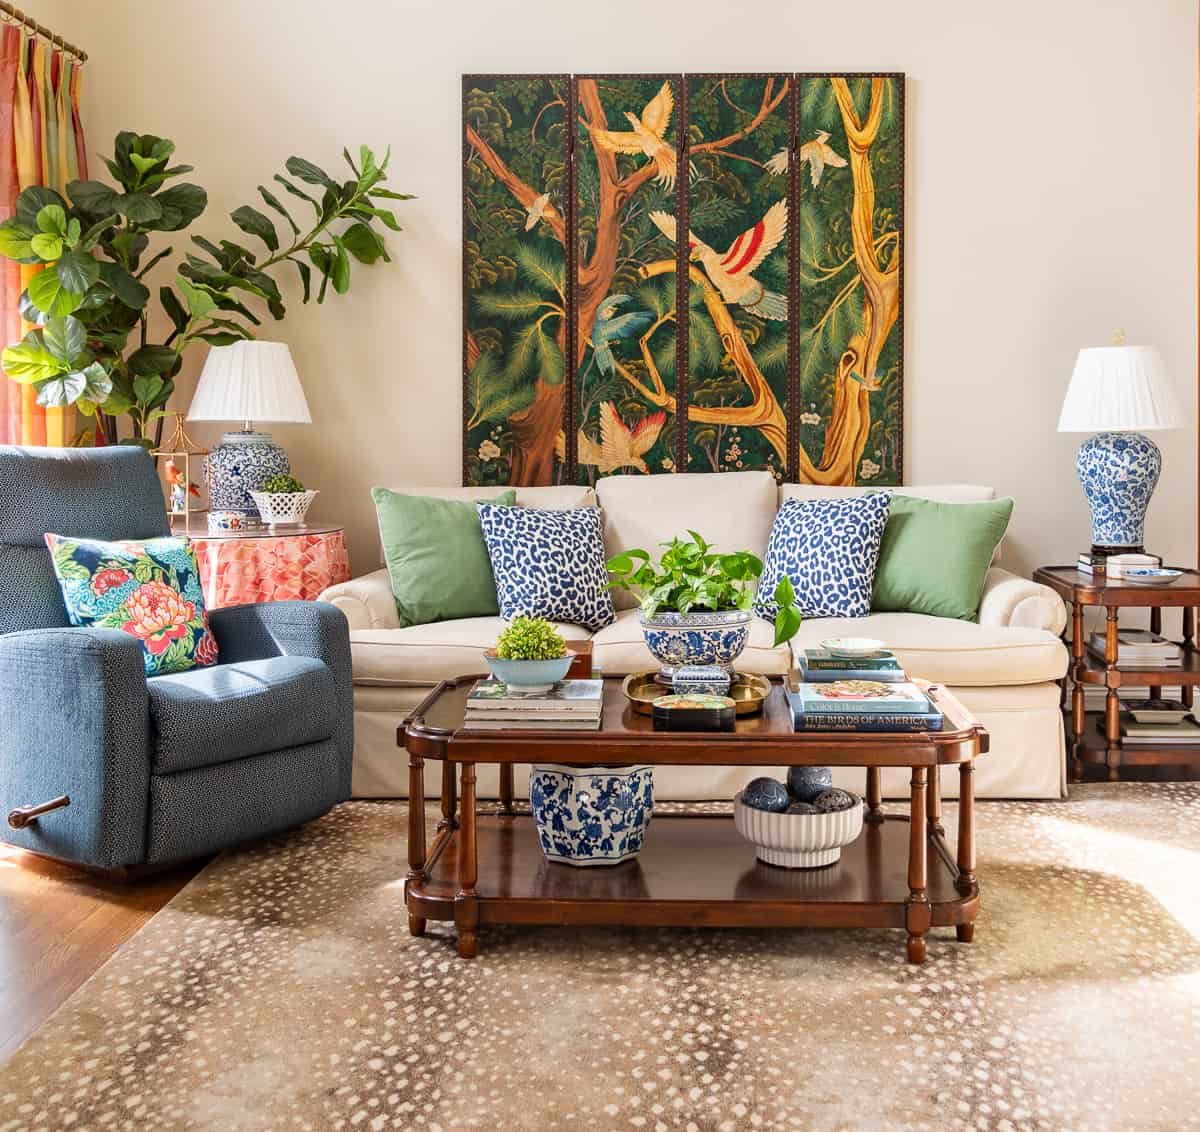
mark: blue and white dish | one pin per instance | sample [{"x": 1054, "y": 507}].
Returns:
[
  {"x": 1150, "y": 575},
  {"x": 591, "y": 815}
]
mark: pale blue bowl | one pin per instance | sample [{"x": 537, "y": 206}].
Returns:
[{"x": 529, "y": 677}]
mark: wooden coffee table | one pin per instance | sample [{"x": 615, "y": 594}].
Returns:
[{"x": 694, "y": 870}]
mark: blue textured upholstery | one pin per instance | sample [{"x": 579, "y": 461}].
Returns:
[
  {"x": 230, "y": 711},
  {"x": 85, "y": 492},
  {"x": 74, "y": 719},
  {"x": 178, "y": 766}
]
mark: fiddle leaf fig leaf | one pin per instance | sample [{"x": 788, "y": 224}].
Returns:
[
  {"x": 139, "y": 208},
  {"x": 47, "y": 293},
  {"x": 31, "y": 202},
  {"x": 65, "y": 389},
  {"x": 150, "y": 360},
  {"x": 28, "y": 361},
  {"x": 15, "y": 242},
  {"x": 77, "y": 271},
  {"x": 309, "y": 173},
  {"x": 147, "y": 387},
  {"x": 341, "y": 268},
  {"x": 52, "y": 219},
  {"x": 180, "y": 204},
  {"x": 272, "y": 201},
  {"x": 65, "y": 338},
  {"x": 254, "y": 223},
  {"x": 46, "y": 246},
  {"x": 127, "y": 289},
  {"x": 93, "y": 197},
  {"x": 364, "y": 243},
  {"x": 199, "y": 302}
]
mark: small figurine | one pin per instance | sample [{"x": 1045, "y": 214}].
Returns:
[{"x": 179, "y": 488}]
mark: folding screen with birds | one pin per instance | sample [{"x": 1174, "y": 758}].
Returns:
[{"x": 790, "y": 191}]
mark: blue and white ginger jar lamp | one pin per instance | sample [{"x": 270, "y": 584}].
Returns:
[
  {"x": 247, "y": 381},
  {"x": 1118, "y": 392}
]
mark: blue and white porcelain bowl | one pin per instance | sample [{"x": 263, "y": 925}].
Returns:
[
  {"x": 679, "y": 639},
  {"x": 591, "y": 815}
]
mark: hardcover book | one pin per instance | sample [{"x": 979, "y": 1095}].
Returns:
[
  {"x": 852, "y": 720},
  {"x": 577, "y": 723},
  {"x": 817, "y": 666},
  {"x": 861, "y": 697},
  {"x": 573, "y": 696}
]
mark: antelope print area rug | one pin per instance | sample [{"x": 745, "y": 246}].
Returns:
[{"x": 280, "y": 990}]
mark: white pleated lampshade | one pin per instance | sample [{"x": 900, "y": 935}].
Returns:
[
  {"x": 1119, "y": 389},
  {"x": 250, "y": 381}
]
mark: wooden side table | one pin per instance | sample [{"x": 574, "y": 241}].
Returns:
[
  {"x": 1103, "y": 746},
  {"x": 267, "y": 564}
]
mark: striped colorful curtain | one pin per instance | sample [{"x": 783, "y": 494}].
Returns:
[{"x": 41, "y": 143}]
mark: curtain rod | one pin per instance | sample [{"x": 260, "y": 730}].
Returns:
[{"x": 10, "y": 14}]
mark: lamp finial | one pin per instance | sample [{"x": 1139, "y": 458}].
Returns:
[{"x": 1118, "y": 337}]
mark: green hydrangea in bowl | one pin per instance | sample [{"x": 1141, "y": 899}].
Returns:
[
  {"x": 283, "y": 500},
  {"x": 530, "y": 657}
]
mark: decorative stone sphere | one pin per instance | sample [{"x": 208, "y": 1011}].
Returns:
[
  {"x": 832, "y": 801},
  {"x": 766, "y": 794},
  {"x": 802, "y": 808},
  {"x": 806, "y": 782}
]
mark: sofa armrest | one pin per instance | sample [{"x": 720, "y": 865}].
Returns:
[
  {"x": 75, "y": 720},
  {"x": 1012, "y": 600},
  {"x": 367, "y": 602},
  {"x": 294, "y": 628}
]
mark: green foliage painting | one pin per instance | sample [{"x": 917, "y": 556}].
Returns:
[
  {"x": 738, "y": 287},
  {"x": 626, "y": 174},
  {"x": 515, "y": 278},
  {"x": 790, "y": 191},
  {"x": 848, "y": 369}
]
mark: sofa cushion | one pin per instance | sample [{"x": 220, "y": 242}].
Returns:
[
  {"x": 953, "y": 652},
  {"x": 620, "y": 648},
  {"x": 425, "y": 654},
  {"x": 437, "y": 560},
  {"x": 732, "y": 510},
  {"x": 828, "y": 549},
  {"x": 229, "y": 711},
  {"x": 559, "y": 497}
]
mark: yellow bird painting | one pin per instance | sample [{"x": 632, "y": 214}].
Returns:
[
  {"x": 620, "y": 446},
  {"x": 646, "y": 136}
]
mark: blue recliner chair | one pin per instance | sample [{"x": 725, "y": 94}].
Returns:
[{"x": 162, "y": 769}]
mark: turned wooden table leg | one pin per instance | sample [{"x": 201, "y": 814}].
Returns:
[
  {"x": 1112, "y": 702},
  {"x": 1078, "y": 713},
  {"x": 416, "y": 833},
  {"x": 935, "y": 800},
  {"x": 449, "y": 797},
  {"x": 874, "y": 795},
  {"x": 917, "y": 913},
  {"x": 506, "y": 788},
  {"x": 966, "y": 841},
  {"x": 1189, "y": 629},
  {"x": 466, "y": 903}
]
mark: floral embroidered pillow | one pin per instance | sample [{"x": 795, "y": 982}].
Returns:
[{"x": 148, "y": 588}]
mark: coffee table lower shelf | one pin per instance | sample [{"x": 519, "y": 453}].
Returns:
[{"x": 694, "y": 871}]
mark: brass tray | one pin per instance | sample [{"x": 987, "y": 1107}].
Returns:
[{"x": 748, "y": 691}]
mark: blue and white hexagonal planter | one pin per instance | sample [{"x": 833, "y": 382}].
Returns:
[{"x": 591, "y": 815}]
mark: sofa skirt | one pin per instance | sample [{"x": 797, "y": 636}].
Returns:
[{"x": 1026, "y": 760}]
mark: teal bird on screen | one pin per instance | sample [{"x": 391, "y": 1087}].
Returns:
[{"x": 611, "y": 327}]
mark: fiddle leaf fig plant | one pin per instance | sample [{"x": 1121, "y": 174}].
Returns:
[
  {"x": 93, "y": 346},
  {"x": 689, "y": 577}
]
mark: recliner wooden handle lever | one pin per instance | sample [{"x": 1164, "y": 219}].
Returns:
[{"x": 22, "y": 816}]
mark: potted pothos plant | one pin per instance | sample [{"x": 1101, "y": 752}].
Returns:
[
  {"x": 697, "y": 605},
  {"x": 96, "y": 342}
]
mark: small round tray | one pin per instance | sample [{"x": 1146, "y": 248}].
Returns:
[{"x": 748, "y": 691}]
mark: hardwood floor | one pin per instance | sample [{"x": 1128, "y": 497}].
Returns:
[{"x": 58, "y": 926}]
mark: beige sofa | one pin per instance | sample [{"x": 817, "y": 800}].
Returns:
[{"x": 1004, "y": 668}]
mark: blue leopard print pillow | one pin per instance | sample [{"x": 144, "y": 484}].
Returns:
[
  {"x": 549, "y": 564},
  {"x": 829, "y": 548}
]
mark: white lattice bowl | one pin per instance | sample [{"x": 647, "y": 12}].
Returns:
[
  {"x": 797, "y": 841},
  {"x": 283, "y": 508}
]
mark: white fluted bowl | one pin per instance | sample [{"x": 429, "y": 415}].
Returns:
[
  {"x": 283, "y": 508},
  {"x": 797, "y": 841}
]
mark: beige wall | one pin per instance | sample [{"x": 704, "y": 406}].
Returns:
[{"x": 1051, "y": 196}]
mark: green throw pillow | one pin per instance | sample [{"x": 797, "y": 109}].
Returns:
[
  {"x": 935, "y": 556},
  {"x": 436, "y": 557}
]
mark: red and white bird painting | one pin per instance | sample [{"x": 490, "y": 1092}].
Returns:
[
  {"x": 731, "y": 272},
  {"x": 620, "y": 446}
]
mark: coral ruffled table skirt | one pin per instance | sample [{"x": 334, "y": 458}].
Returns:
[{"x": 240, "y": 567}]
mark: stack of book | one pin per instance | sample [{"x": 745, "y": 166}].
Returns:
[
  {"x": 1139, "y": 648},
  {"x": 861, "y": 705},
  {"x": 571, "y": 705},
  {"x": 1151, "y": 722},
  {"x": 1113, "y": 565},
  {"x": 819, "y": 666}
]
